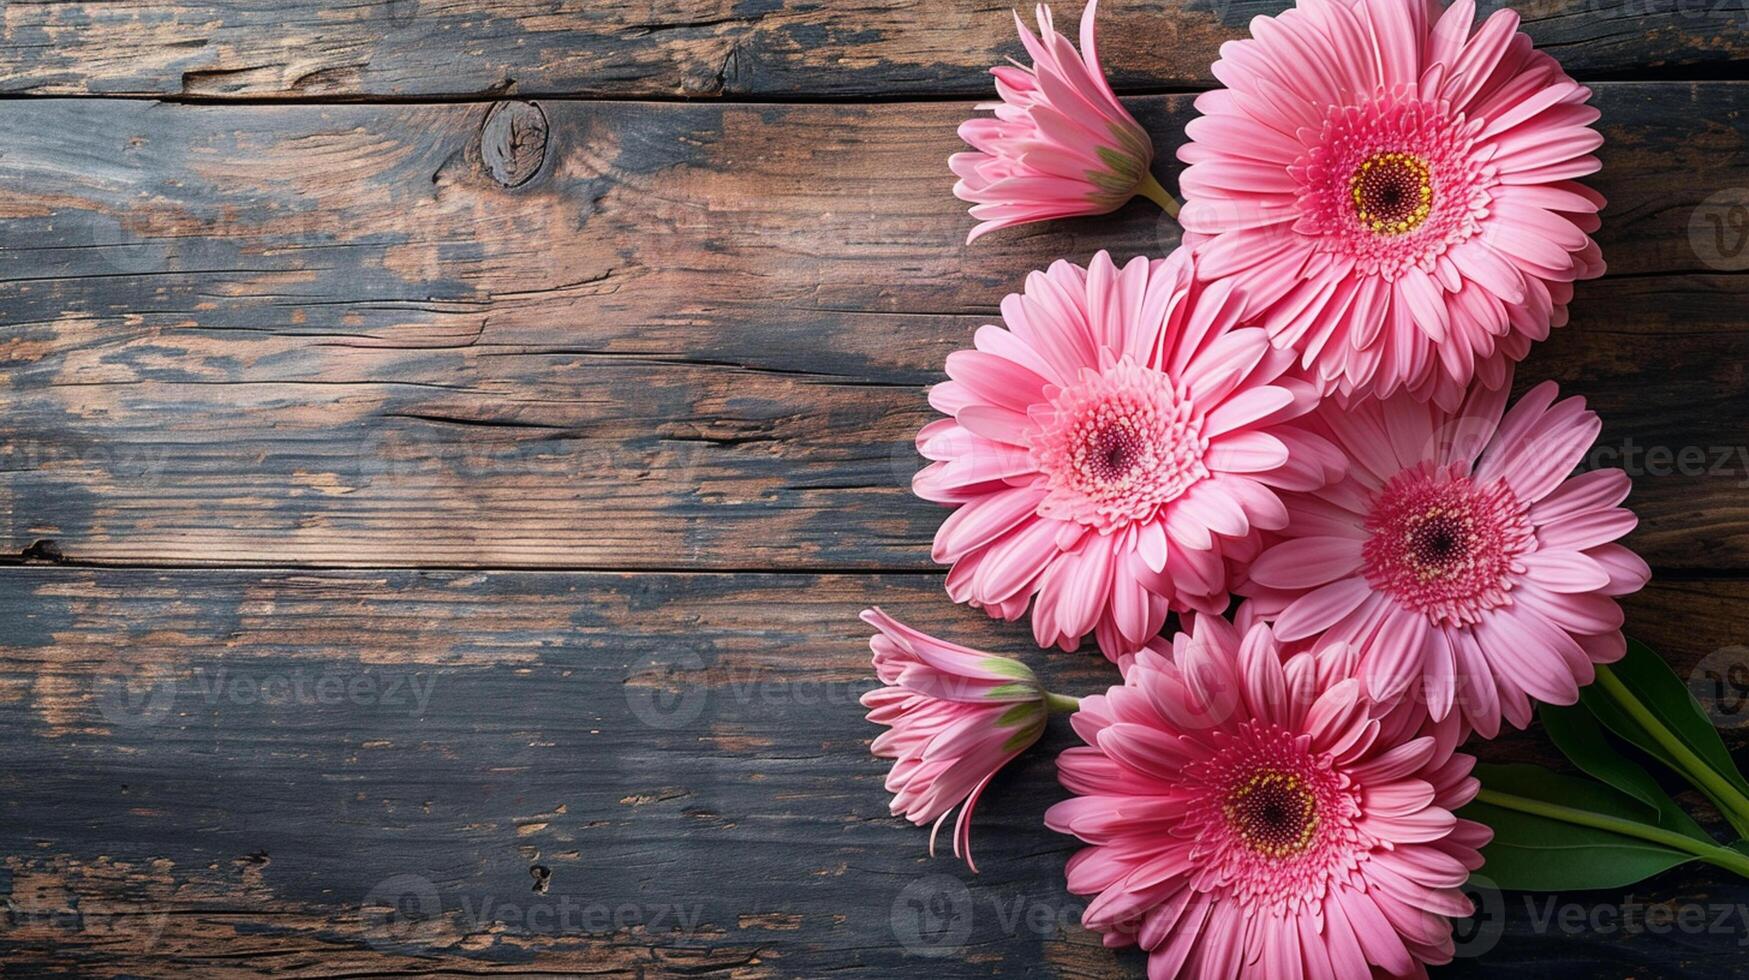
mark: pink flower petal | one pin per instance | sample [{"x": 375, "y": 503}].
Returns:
[
  {"x": 1321, "y": 607},
  {"x": 1307, "y": 562}
]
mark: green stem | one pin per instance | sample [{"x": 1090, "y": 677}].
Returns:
[
  {"x": 1691, "y": 766},
  {"x": 1062, "y": 704},
  {"x": 1713, "y": 854},
  {"x": 1151, "y": 189}
]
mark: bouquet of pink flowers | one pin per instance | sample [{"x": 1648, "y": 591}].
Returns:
[{"x": 1292, "y": 438}]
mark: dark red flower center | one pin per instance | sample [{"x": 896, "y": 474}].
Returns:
[
  {"x": 1118, "y": 446},
  {"x": 1443, "y": 545}
]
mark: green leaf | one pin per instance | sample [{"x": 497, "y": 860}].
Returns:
[
  {"x": 1533, "y": 852},
  {"x": 1662, "y": 693},
  {"x": 1575, "y": 731}
]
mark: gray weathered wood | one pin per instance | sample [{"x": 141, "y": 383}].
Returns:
[{"x": 213, "y": 771}]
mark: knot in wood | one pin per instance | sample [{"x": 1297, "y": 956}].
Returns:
[{"x": 513, "y": 142}]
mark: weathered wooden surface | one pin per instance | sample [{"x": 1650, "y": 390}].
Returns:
[
  {"x": 735, "y": 48},
  {"x": 687, "y": 337},
  {"x": 600, "y": 412},
  {"x": 226, "y": 771}
]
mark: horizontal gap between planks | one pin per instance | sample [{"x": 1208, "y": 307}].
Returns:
[
  {"x": 12, "y": 564},
  {"x": 490, "y": 96},
  {"x": 1728, "y": 73}
]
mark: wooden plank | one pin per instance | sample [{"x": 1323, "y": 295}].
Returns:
[
  {"x": 735, "y": 48},
  {"x": 215, "y": 770},
  {"x": 690, "y": 337}
]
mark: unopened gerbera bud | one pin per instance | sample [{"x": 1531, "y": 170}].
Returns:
[
  {"x": 1060, "y": 145},
  {"x": 957, "y": 716}
]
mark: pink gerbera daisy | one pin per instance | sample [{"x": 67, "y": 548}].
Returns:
[
  {"x": 1060, "y": 144},
  {"x": 1459, "y": 554},
  {"x": 957, "y": 716},
  {"x": 1398, "y": 192},
  {"x": 1252, "y": 814},
  {"x": 1112, "y": 449}
]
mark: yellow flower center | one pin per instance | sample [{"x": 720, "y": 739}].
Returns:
[
  {"x": 1392, "y": 192},
  {"x": 1275, "y": 813}
]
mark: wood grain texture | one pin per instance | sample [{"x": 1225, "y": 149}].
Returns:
[
  {"x": 233, "y": 772},
  {"x": 306, "y": 49},
  {"x": 692, "y": 337},
  {"x": 570, "y": 434}
]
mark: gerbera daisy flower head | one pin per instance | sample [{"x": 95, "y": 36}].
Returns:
[
  {"x": 1113, "y": 450},
  {"x": 1060, "y": 144},
  {"x": 1458, "y": 554},
  {"x": 1291, "y": 827},
  {"x": 1398, "y": 192},
  {"x": 957, "y": 716}
]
